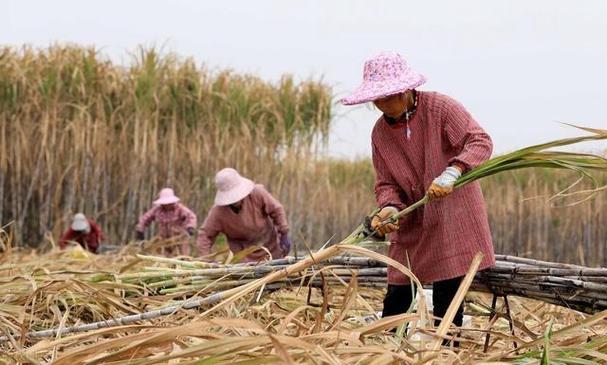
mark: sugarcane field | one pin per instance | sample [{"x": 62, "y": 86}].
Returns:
[{"x": 289, "y": 182}]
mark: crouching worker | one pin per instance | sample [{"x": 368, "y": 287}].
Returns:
[
  {"x": 172, "y": 218},
  {"x": 85, "y": 232},
  {"x": 248, "y": 215}
]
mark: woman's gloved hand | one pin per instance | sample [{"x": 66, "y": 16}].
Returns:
[
  {"x": 382, "y": 215},
  {"x": 443, "y": 185}
]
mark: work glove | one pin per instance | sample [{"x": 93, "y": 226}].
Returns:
[
  {"x": 382, "y": 215},
  {"x": 443, "y": 185},
  {"x": 190, "y": 231},
  {"x": 139, "y": 235},
  {"x": 285, "y": 243}
]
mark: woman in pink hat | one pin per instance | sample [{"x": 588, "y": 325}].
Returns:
[
  {"x": 172, "y": 219},
  {"x": 421, "y": 144},
  {"x": 248, "y": 215}
]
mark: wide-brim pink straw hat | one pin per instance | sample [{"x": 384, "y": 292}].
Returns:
[
  {"x": 231, "y": 187},
  {"x": 166, "y": 196},
  {"x": 385, "y": 74}
]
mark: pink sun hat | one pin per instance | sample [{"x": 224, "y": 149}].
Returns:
[
  {"x": 166, "y": 196},
  {"x": 385, "y": 74},
  {"x": 231, "y": 187}
]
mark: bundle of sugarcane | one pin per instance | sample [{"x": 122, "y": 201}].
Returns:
[
  {"x": 573, "y": 286},
  {"x": 577, "y": 287}
]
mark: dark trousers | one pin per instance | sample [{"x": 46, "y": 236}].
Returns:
[{"x": 399, "y": 297}]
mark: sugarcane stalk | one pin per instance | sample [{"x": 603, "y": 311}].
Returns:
[
  {"x": 172, "y": 261},
  {"x": 524, "y": 270},
  {"x": 533, "y": 262},
  {"x": 365, "y": 281},
  {"x": 276, "y": 262},
  {"x": 215, "y": 272}
]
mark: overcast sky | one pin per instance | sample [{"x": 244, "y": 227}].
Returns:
[{"x": 519, "y": 66}]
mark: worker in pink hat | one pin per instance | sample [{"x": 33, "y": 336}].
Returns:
[
  {"x": 172, "y": 219},
  {"x": 421, "y": 144},
  {"x": 248, "y": 215}
]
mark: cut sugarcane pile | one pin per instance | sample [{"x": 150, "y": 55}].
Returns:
[
  {"x": 292, "y": 323},
  {"x": 576, "y": 287}
]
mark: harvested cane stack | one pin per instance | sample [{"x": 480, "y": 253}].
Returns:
[{"x": 576, "y": 287}]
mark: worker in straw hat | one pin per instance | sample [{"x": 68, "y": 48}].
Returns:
[
  {"x": 85, "y": 232},
  {"x": 248, "y": 215},
  {"x": 172, "y": 219},
  {"x": 421, "y": 144}
]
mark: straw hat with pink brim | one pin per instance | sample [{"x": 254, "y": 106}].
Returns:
[
  {"x": 385, "y": 74},
  {"x": 166, "y": 196},
  {"x": 231, "y": 187}
]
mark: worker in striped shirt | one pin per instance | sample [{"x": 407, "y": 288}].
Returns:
[{"x": 421, "y": 144}]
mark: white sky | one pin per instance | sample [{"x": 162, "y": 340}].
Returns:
[{"x": 518, "y": 66}]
